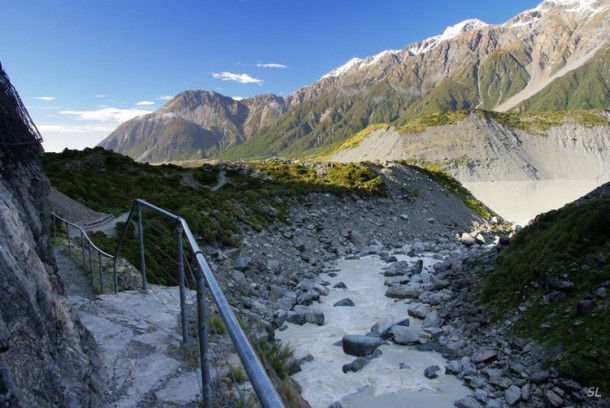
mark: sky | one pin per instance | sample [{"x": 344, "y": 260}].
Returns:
[{"x": 82, "y": 67}]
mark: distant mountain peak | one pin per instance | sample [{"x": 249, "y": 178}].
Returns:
[
  {"x": 449, "y": 33},
  {"x": 574, "y": 6},
  {"x": 416, "y": 49}
]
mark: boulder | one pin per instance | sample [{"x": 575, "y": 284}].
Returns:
[
  {"x": 359, "y": 240},
  {"x": 361, "y": 345},
  {"x": 308, "y": 297},
  {"x": 418, "y": 267},
  {"x": 467, "y": 239},
  {"x": 558, "y": 284},
  {"x": 553, "y": 399},
  {"x": 410, "y": 291},
  {"x": 397, "y": 269},
  {"x": 586, "y": 305},
  {"x": 304, "y": 314},
  {"x": 483, "y": 356},
  {"x": 431, "y": 372},
  {"x": 345, "y": 302},
  {"x": 540, "y": 376},
  {"x": 512, "y": 395},
  {"x": 468, "y": 402},
  {"x": 432, "y": 320},
  {"x": 454, "y": 367},
  {"x": 340, "y": 285},
  {"x": 418, "y": 310},
  {"x": 405, "y": 335},
  {"x": 382, "y": 327},
  {"x": 241, "y": 263},
  {"x": 355, "y": 366},
  {"x": 321, "y": 289},
  {"x": 287, "y": 301}
]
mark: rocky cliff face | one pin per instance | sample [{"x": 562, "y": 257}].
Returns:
[
  {"x": 481, "y": 149},
  {"x": 47, "y": 358}
]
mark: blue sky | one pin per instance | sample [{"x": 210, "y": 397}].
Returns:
[{"x": 84, "y": 66}]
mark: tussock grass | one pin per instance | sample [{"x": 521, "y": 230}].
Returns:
[{"x": 563, "y": 244}]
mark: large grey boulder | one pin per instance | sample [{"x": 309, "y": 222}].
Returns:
[
  {"x": 383, "y": 327},
  {"x": 512, "y": 395},
  {"x": 405, "y": 335},
  {"x": 359, "y": 240},
  {"x": 360, "y": 345},
  {"x": 303, "y": 314},
  {"x": 432, "y": 320},
  {"x": 468, "y": 402},
  {"x": 418, "y": 310},
  {"x": 410, "y": 291}
]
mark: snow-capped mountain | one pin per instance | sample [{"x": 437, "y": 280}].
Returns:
[{"x": 552, "y": 57}]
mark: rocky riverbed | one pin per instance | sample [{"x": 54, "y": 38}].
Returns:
[{"x": 283, "y": 274}]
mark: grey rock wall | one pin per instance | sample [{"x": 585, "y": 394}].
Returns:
[{"x": 47, "y": 358}]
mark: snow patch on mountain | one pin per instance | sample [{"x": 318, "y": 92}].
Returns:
[
  {"x": 417, "y": 48},
  {"x": 449, "y": 33},
  {"x": 573, "y": 6}
]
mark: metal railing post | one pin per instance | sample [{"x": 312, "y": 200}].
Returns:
[
  {"x": 82, "y": 245},
  {"x": 101, "y": 274},
  {"x": 69, "y": 244},
  {"x": 181, "y": 282},
  {"x": 91, "y": 265},
  {"x": 114, "y": 278},
  {"x": 142, "y": 260},
  {"x": 202, "y": 322}
]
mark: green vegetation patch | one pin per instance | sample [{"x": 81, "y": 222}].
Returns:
[
  {"x": 354, "y": 141},
  {"x": 571, "y": 244},
  {"x": 109, "y": 182},
  {"x": 542, "y": 121},
  {"x": 420, "y": 124},
  {"x": 436, "y": 173}
]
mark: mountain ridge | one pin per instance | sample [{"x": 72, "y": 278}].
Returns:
[{"x": 470, "y": 65}]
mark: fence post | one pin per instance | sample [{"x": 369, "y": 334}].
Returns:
[
  {"x": 181, "y": 280},
  {"x": 69, "y": 244},
  {"x": 142, "y": 260},
  {"x": 91, "y": 266},
  {"x": 99, "y": 254},
  {"x": 82, "y": 245},
  {"x": 202, "y": 321},
  {"x": 115, "y": 278}
]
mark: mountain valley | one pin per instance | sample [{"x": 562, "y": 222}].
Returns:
[{"x": 553, "y": 57}]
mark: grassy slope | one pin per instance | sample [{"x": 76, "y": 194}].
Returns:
[
  {"x": 563, "y": 244},
  {"x": 584, "y": 88},
  {"x": 109, "y": 182},
  {"x": 106, "y": 181}
]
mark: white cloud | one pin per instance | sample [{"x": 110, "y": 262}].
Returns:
[
  {"x": 45, "y": 98},
  {"x": 241, "y": 78},
  {"x": 271, "y": 65},
  {"x": 238, "y": 98},
  {"x": 101, "y": 96},
  {"x": 107, "y": 114},
  {"x": 58, "y": 137},
  {"x": 145, "y": 103},
  {"x": 165, "y": 97}
]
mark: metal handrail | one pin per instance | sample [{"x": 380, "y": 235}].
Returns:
[
  {"x": 91, "y": 245},
  {"x": 261, "y": 382}
]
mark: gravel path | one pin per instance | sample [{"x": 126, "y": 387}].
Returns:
[{"x": 76, "y": 283}]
